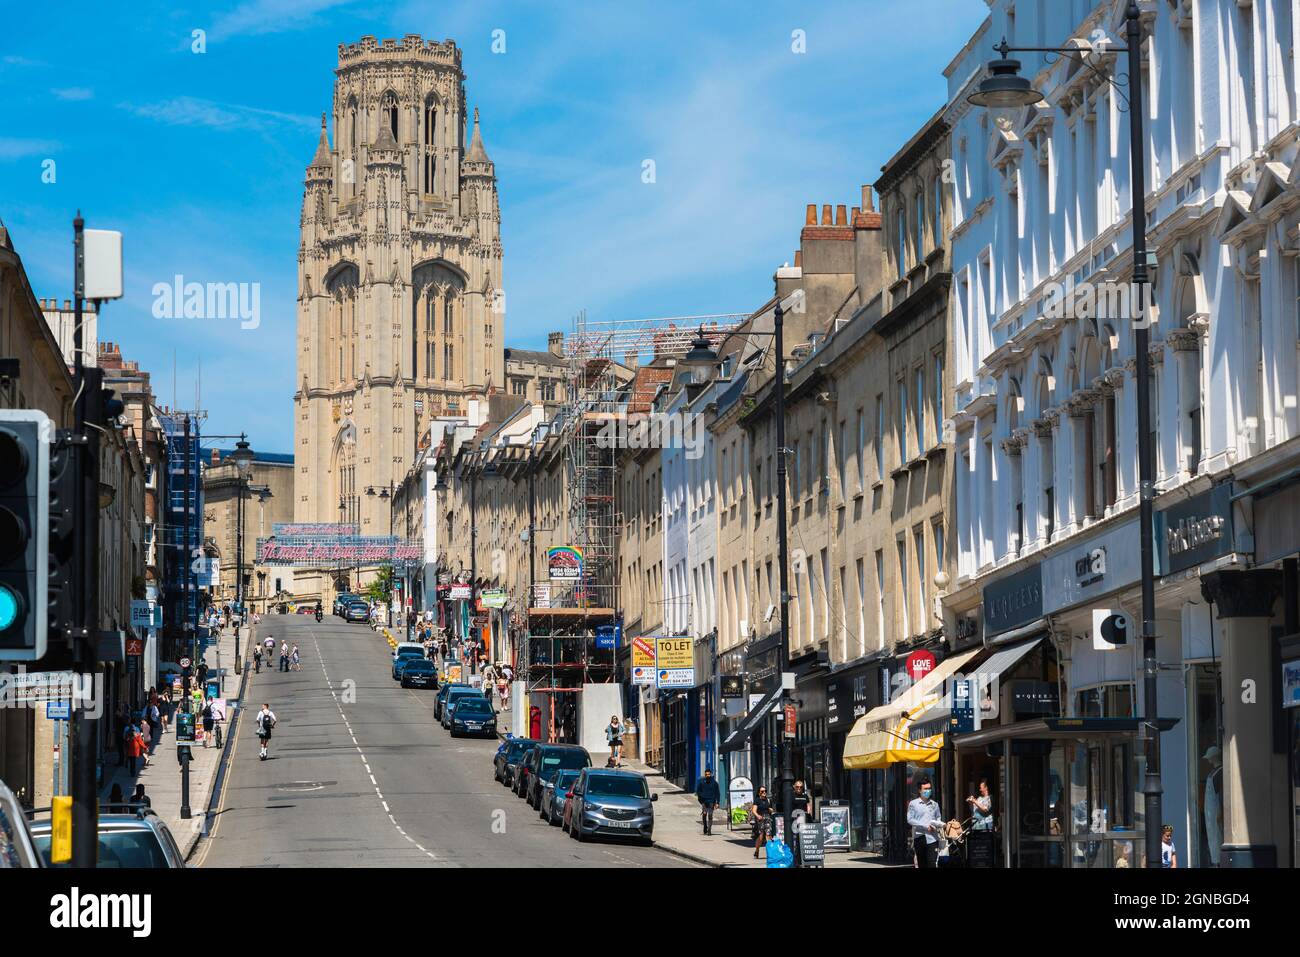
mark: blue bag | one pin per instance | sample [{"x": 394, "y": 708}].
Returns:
[{"x": 778, "y": 854}]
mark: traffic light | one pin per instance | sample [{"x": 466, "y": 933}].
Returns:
[
  {"x": 24, "y": 501},
  {"x": 64, "y": 580}
]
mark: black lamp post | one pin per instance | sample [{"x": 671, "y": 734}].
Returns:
[
  {"x": 242, "y": 458},
  {"x": 1005, "y": 88}
]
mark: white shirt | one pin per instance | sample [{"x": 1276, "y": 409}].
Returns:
[
  {"x": 263, "y": 715},
  {"x": 921, "y": 814}
]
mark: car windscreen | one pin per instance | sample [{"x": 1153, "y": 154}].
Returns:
[
  {"x": 554, "y": 759},
  {"x": 419, "y": 665},
  {"x": 564, "y": 778},
  {"x": 134, "y": 848},
  {"x": 516, "y": 751},
  {"x": 470, "y": 705},
  {"x": 616, "y": 786}
]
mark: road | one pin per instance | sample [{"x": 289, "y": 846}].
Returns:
[{"x": 359, "y": 775}]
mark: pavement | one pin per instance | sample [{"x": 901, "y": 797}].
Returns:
[
  {"x": 678, "y": 829},
  {"x": 162, "y": 778},
  {"x": 359, "y": 775}
]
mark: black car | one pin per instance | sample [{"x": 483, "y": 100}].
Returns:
[
  {"x": 550, "y": 760},
  {"x": 508, "y": 757},
  {"x": 420, "y": 673},
  {"x": 526, "y": 766},
  {"x": 454, "y": 697},
  {"x": 441, "y": 700},
  {"x": 473, "y": 715}
]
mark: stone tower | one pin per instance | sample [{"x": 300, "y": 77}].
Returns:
[{"x": 400, "y": 314}]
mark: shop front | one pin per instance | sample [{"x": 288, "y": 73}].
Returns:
[{"x": 850, "y": 693}]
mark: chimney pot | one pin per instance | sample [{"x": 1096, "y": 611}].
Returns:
[
  {"x": 841, "y": 217},
  {"x": 826, "y": 214},
  {"x": 631, "y": 359},
  {"x": 67, "y": 305},
  {"x": 798, "y": 258},
  {"x": 810, "y": 218},
  {"x": 868, "y": 200},
  {"x": 856, "y": 210}
]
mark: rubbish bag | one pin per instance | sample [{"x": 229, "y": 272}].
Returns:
[{"x": 779, "y": 854}]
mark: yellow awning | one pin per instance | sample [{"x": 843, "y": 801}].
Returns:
[{"x": 879, "y": 738}]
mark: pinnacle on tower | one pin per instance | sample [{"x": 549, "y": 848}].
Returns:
[
  {"x": 322, "y": 157},
  {"x": 477, "y": 154}
]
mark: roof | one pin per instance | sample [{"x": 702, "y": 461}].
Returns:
[
  {"x": 645, "y": 386},
  {"x": 542, "y": 356},
  {"x": 477, "y": 154}
]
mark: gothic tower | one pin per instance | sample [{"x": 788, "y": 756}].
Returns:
[{"x": 400, "y": 316}]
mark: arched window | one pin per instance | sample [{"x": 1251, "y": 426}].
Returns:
[
  {"x": 437, "y": 290},
  {"x": 430, "y": 139},
  {"x": 341, "y": 324},
  {"x": 1188, "y": 358},
  {"x": 388, "y": 113}
]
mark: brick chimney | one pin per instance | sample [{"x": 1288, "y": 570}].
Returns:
[{"x": 555, "y": 343}]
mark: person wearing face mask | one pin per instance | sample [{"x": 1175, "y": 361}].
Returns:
[{"x": 925, "y": 818}]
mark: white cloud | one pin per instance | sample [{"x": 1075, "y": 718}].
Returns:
[
  {"x": 193, "y": 111},
  {"x": 73, "y": 93},
  {"x": 15, "y": 148},
  {"x": 270, "y": 16}
]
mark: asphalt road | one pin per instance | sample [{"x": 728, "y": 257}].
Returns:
[{"x": 359, "y": 775}]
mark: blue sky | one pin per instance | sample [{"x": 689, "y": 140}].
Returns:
[{"x": 199, "y": 158}]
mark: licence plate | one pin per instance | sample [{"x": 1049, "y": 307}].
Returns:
[
  {"x": 620, "y": 824},
  {"x": 473, "y": 725}
]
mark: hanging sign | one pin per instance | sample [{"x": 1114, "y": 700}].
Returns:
[{"x": 564, "y": 563}]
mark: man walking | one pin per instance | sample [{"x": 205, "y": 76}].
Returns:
[
  {"x": 284, "y": 656},
  {"x": 706, "y": 792},
  {"x": 265, "y": 722}
]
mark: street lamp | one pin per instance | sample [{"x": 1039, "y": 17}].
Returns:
[
  {"x": 242, "y": 458},
  {"x": 696, "y": 367},
  {"x": 1003, "y": 87}
]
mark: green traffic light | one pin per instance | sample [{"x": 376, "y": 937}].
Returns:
[{"x": 10, "y": 606}]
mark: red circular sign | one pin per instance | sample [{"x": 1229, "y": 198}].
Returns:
[{"x": 919, "y": 664}]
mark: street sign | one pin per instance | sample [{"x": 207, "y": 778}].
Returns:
[
  {"x": 185, "y": 662},
  {"x": 58, "y": 710},
  {"x": 791, "y": 721},
  {"x": 135, "y": 646}
]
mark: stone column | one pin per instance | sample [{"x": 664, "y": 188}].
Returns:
[{"x": 1254, "y": 778}]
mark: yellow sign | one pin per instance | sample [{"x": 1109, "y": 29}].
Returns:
[
  {"x": 643, "y": 652},
  {"x": 61, "y": 829},
  {"x": 674, "y": 653}
]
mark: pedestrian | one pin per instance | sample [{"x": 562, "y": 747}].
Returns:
[
  {"x": 1168, "y": 853},
  {"x": 123, "y": 721},
  {"x": 146, "y": 741},
  {"x": 503, "y": 688},
  {"x": 208, "y": 721},
  {"x": 926, "y": 820},
  {"x": 115, "y": 796},
  {"x": 165, "y": 707},
  {"x": 706, "y": 792},
  {"x": 295, "y": 660},
  {"x": 203, "y": 673},
  {"x": 614, "y": 737},
  {"x": 139, "y": 797},
  {"x": 981, "y": 807},
  {"x": 284, "y": 656},
  {"x": 761, "y": 814},
  {"x": 134, "y": 749},
  {"x": 265, "y": 722},
  {"x": 257, "y": 660}
]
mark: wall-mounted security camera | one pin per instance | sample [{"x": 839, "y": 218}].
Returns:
[{"x": 767, "y": 615}]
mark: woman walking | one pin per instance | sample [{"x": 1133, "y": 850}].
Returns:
[
  {"x": 614, "y": 736},
  {"x": 761, "y": 810}
]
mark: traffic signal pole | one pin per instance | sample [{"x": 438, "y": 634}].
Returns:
[{"x": 87, "y": 408}]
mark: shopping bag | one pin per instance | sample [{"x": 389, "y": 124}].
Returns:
[{"x": 779, "y": 854}]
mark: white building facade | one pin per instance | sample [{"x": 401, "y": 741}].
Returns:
[{"x": 1045, "y": 429}]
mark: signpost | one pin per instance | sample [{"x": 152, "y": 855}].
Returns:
[{"x": 643, "y": 661}]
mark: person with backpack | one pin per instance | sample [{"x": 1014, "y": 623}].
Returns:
[
  {"x": 265, "y": 722},
  {"x": 208, "y": 721},
  {"x": 257, "y": 660}
]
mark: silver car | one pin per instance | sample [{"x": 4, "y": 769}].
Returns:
[
  {"x": 553, "y": 797},
  {"x": 130, "y": 836},
  {"x": 610, "y": 803}
]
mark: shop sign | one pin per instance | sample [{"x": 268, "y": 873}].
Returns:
[
  {"x": 963, "y": 706},
  {"x": 837, "y": 824},
  {"x": 564, "y": 563},
  {"x": 675, "y": 677},
  {"x": 791, "y": 721},
  {"x": 1096, "y": 567},
  {"x": 460, "y": 593},
  {"x": 733, "y": 686},
  {"x": 494, "y": 598},
  {"x": 675, "y": 663},
  {"x": 1195, "y": 531},
  {"x": 607, "y": 636},
  {"x": 1013, "y": 601},
  {"x": 849, "y": 696},
  {"x": 541, "y": 596},
  {"x": 135, "y": 646},
  {"x": 141, "y": 614},
  {"x": 1035, "y": 697},
  {"x": 919, "y": 664},
  {"x": 1291, "y": 684}
]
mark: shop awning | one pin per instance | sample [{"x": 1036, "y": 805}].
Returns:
[
  {"x": 880, "y": 735},
  {"x": 740, "y": 736},
  {"x": 1055, "y": 728},
  {"x": 994, "y": 667},
  {"x": 891, "y": 745}
]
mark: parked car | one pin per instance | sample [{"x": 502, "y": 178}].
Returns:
[
  {"x": 341, "y": 602},
  {"x": 553, "y": 797},
  {"x": 401, "y": 662},
  {"x": 418, "y": 673},
  {"x": 445, "y": 688},
  {"x": 130, "y": 835},
  {"x": 610, "y": 802},
  {"x": 551, "y": 759},
  {"x": 472, "y": 714},
  {"x": 508, "y": 757},
  {"x": 16, "y": 846},
  {"x": 527, "y": 766},
  {"x": 409, "y": 645},
  {"x": 452, "y": 697},
  {"x": 359, "y": 611}
]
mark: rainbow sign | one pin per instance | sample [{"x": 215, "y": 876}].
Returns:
[{"x": 564, "y": 563}]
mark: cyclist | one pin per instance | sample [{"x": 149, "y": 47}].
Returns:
[
  {"x": 706, "y": 792},
  {"x": 265, "y": 722}
]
